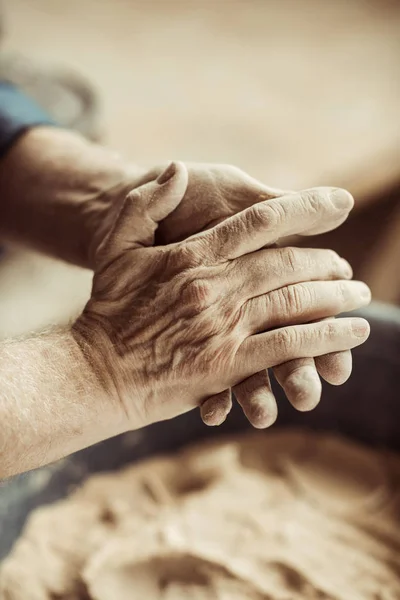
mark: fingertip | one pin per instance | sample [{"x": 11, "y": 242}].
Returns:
[
  {"x": 303, "y": 389},
  {"x": 347, "y": 268},
  {"x": 167, "y": 174},
  {"x": 164, "y": 194},
  {"x": 174, "y": 169},
  {"x": 337, "y": 380},
  {"x": 213, "y": 418},
  {"x": 364, "y": 292},
  {"x": 335, "y": 368},
  {"x": 328, "y": 206},
  {"x": 181, "y": 171},
  {"x": 261, "y": 411},
  {"x": 341, "y": 199},
  {"x": 215, "y": 409},
  {"x": 360, "y": 328}
]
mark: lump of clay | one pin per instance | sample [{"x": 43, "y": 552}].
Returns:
[{"x": 262, "y": 516}]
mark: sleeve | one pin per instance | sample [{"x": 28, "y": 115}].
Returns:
[{"x": 18, "y": 113}]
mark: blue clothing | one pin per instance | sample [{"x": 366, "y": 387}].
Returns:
[{"x": 18, "y": 113}]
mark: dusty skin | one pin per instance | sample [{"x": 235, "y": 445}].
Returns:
[
  {"x": 160, "y": 316},
  {"x": 274, "y": 516}
]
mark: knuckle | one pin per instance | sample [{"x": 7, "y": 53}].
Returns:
[
  {"x": 311, "y": 200},
  {"x": 185, "y": 257},
  {"x": 135, "y": 199},
  {"x": 282, "y": 301},
  {"x": 302, "y": 298},
  {"x": 295, "y": 299},
  {"x": 257, "y": 215},
  {"x": 219, "y": 242},
  {"x": 291, "y": 260},
  {"x": 198, "y": 295},
  {"x": 285, "y": 340},
  {"x": 329, "y": 330},
  {"x": 133, "y": 195},
  {"x": 264, "y": 215}
]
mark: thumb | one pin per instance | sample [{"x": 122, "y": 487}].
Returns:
[
  {"x": 143, "y": 209},
  {"x": 259, "y": 192}
]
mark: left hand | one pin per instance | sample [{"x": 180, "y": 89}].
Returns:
[{"x": 214, "y": 193}]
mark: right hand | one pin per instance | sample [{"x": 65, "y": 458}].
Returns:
[{"x": 168, "y": 326}]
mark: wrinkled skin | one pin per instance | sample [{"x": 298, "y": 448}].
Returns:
[
  {"x": 169, "y": 326},
  {"x": 214, "y": 193}
]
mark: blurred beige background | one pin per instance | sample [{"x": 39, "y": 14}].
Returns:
[{"x": 298, "y": 93}]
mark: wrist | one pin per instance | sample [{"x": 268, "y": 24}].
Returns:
[
  {"x": 57, "y": 187},
  {"x": 99, "y": 352},
  {"x": 100, "y": 418}
]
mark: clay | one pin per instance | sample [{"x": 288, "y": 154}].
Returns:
[{"x": 264, "y": 516}]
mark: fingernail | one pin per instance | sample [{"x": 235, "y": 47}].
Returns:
[
  {"x": 167, "y": 174},
  {"x": 360, "y": 327},
  {"x": 364, "y": 291},
  {"x": 341, "y": 199}
]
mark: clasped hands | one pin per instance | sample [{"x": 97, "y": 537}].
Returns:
[{"x": 179, "y": 319}]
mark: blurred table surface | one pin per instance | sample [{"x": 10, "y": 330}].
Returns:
[{"x": 296, "y": 92}]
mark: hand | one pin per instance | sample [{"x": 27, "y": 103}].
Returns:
[
  {"x": 65, "y": 198},
  {"x": 168, "y": 326},
  {"x": 214, "y": 193}
]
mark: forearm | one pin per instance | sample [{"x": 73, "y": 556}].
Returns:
[
  {"x": 51, "y": 402},
  {"x": 55, "y": 188}
]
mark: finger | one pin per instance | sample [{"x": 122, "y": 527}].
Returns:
[
  {"x": 328, "y": 225},
  {"x": 257, "y": 399},
  {"x": 256, "y": 191},
  {"x": 273, "y": 268},
  {"x": 275, "y": 347},
  {"x": 336, "y": 367},
  {"x": 144, "y": 207},
  {"x": 321, "y": 227},
  {"x": 215, "y": 409},
  {"x": 264, "y": 223},
  {"x": 300, "y": 382},
  {"x": 302, "y": 303}
]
